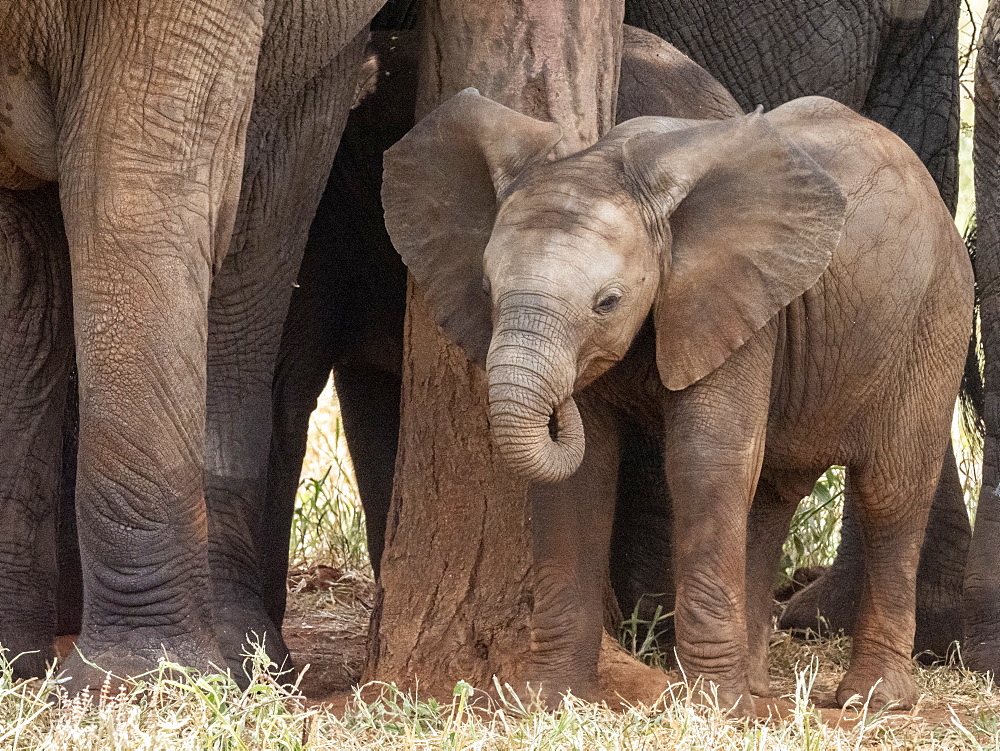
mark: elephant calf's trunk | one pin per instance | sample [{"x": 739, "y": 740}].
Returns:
[{"x": 540, "y": 442}]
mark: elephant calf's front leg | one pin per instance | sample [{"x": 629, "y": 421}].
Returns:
[
  {"x": 714, "y": 450},
  {"x": 571, "y": 529}
]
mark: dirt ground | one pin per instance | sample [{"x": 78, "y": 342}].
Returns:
[{"x": 327, "y": 624}]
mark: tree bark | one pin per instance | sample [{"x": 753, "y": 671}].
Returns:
[{"x": 457, "y": 583}]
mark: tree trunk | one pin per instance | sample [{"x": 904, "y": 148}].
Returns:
[{"x": 457, "y": 583}]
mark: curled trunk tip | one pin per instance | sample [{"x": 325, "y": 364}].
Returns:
[{"x": 546, "y": 447}]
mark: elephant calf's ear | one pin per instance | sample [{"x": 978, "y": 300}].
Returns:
[
  {"x": 750, "y": 222},
  {"x": 440, "y": 190}
]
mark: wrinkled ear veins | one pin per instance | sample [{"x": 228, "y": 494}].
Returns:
[{"x": 440, "y": 192}]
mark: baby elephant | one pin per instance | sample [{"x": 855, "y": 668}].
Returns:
[{"x": 781, "y": 292}]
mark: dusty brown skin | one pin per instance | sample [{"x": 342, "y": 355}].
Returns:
[
  {"x": 190, "y": 140},
  {"x": 745, "y": 275}
]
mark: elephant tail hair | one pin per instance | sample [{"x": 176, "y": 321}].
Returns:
[{"x": 972, "y": 394}]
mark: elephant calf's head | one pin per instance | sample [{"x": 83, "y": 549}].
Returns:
[{"x": 544, "y": 270}]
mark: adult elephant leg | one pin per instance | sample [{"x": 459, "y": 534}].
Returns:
[
  {"x": 369, "y": 408},
  {"x": 291, "y": 148},
  {"x": 941, "y": 574},
  {"x": 69, "y": 593},
  {"x": 35, "y": 346},
  {"x": 369, "y": 405},
  {"x": 641, "y": 562},
  {"x": 305, "y": 359},
  {"x": 982, "y": 581},
  {"x": 148, "y": 205},
  {"x": 348, "y": 307}
]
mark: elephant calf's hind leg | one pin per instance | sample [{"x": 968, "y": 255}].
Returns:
[{"x": 892, "y": 506}]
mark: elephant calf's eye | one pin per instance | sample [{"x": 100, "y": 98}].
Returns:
[{"x": 607, "y": 304}]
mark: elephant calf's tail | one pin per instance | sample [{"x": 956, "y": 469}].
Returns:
[{"x": 972, "y": 394}]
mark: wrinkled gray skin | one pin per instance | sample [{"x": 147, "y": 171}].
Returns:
[
  {"x": 189, "y": 141},
  {"x": 894, "y": 61},
  {"x": 749, "y": 277},
  {"x": 982, "y": 586}
]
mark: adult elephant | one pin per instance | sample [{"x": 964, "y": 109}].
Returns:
[
  {"x": 982, "y": 587},
  {"x": 894, "y": 61},
  {"x": 189, "y": 142}
]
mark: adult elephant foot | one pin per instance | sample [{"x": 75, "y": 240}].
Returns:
[
  {"x": 112, "y": 666},
  {"x": 882, "y": 683},
  {"x": 939, "y": 618},
  {"x": 826, "y": 606},
  {"x": 983, "y": 656},
  {"x": 981, "y": 644},
  {"x": 240, "y": 632},
  {"x": 29, "y": 651}
]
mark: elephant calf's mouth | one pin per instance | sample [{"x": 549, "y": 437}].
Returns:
[{"x": 554, "y": 427}]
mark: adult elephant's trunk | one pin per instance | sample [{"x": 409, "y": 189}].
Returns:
[{"x": 534, "y": 420}]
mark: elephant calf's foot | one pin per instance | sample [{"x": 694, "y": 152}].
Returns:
[
  {"x": 111, "y": 667},
  {"x": 880, "y": 686}
]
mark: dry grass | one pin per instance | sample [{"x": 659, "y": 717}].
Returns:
[{"x": 181, "y": 710}]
